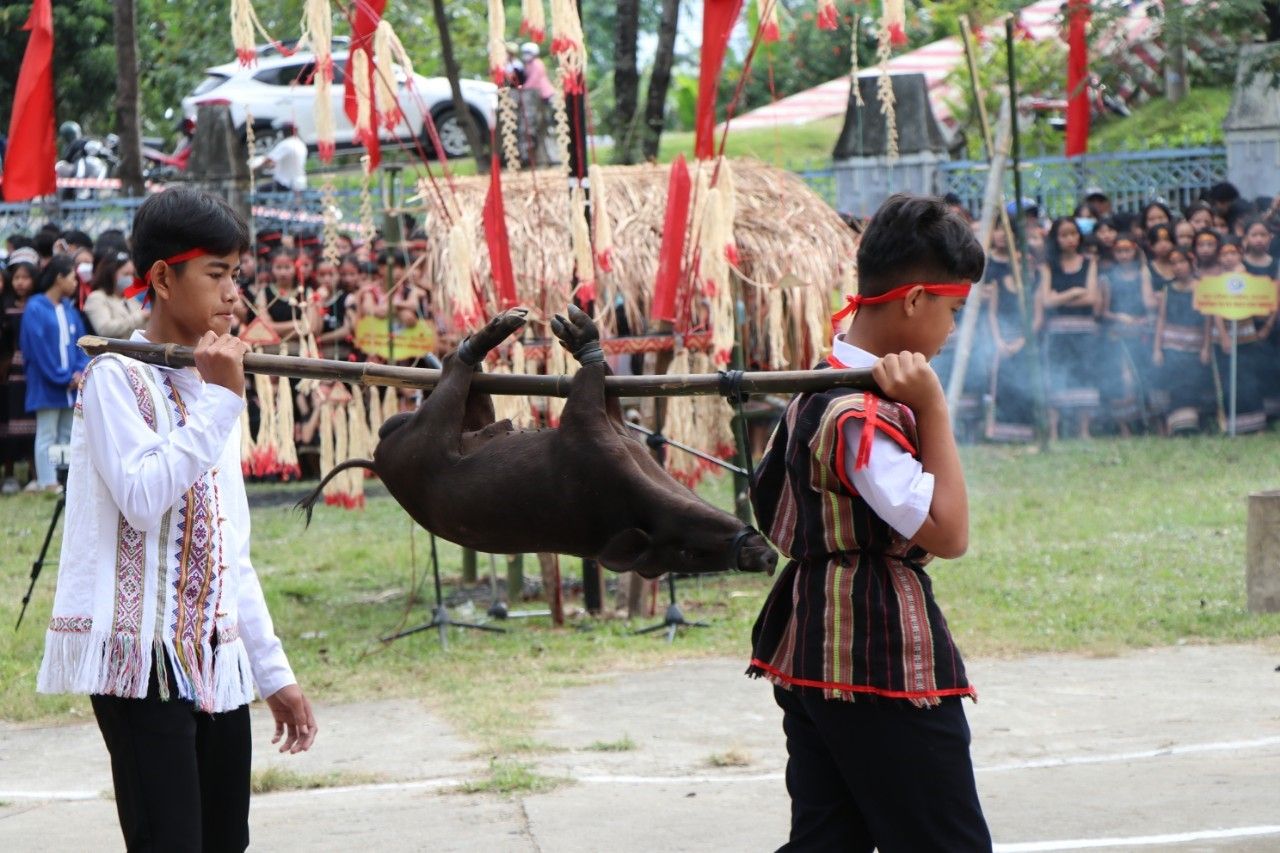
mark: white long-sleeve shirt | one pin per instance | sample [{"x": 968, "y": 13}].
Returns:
[
  {"x": 893, "y": 483},
  {"x": 155, "y": 564}
]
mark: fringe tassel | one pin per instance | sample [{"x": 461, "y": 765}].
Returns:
[
  {"x": 533, "y": 22},
  {"x": 729, "y": 209},
  {"x": 828, "y": 17},
  {"x": 376, "y": 418},
  {"x": 600, "y": 215},
  {"x": 288, "y": 459},
  {"x": 567, "y": 45},
  {"x": 317, "y": 32},
  {"x": 341, "y": 451},
  {"x": 497, "y": 42},
  {"x": 775, "y": 332},
  {"x": 767, "y": 10},
  {"x": 583, "y": 261},
  {"x": 680, "y": 425},
  {"x": 355, "y": 439},
  {"x": 713, "y": 269},
  {"x": 884, "y": 92},
  {"x": 893, "y": 22},
  {"x": 232, "y": 676},
  {"x": 855, "y": 33},
  {"x": 385, "y": 57},
  {"x": 459, "y": 292},
  {"x": 266, "y": 461},
  {"x": 244, "y": 23},
  {"x": 364, "y": 106},
  {"x": 509, "y": 123},
  {"x": 326, "y": 448}
]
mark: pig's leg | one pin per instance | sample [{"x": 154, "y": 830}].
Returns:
[
  {"x": 445, "y": 410},
  {"x": 580, "y": 336}
]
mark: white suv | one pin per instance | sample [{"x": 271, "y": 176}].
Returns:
[{"x": 280, "y": 88}]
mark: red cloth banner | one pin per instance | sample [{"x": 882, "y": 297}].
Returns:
[
  {"x": 365, "y": 18},
  {"x": 718, "y": 17},
  {"x": 29, "y": 162},
  {"x": 496, "y": 238},
  {"x": 671, "y": 255},
  {"x": 1077, "y": 78}
]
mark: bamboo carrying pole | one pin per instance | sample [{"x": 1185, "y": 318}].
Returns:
[{"x": 368, "y": 373}]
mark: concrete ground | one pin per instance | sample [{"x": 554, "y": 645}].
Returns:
[{"x": 1175, "y": 748}]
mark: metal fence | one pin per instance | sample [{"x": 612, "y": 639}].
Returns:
[
  {"x": 92, "y": 216},
  {"x": 1131, "y": 179}
]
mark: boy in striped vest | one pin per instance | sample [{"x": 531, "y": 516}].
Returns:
[{"x": 860, "y": 491}]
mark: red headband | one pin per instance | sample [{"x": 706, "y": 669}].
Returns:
[
  {"x": 853, "y": 303},
  {"x": 143, "y": 285}
]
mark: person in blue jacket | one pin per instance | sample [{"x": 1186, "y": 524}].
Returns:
[{"x": 51, "y": 325}]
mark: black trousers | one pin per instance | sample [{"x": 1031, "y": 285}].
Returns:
[
  {"x": 181, "y": 776},
  {"x": 880, "y": 775}
]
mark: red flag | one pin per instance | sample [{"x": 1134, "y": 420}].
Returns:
[
  {"x": 495, "y": 237},
  {"x": 718, "y": 17},
  {"x": 1077, "y": 78},
  {"x": 672, "y": 251},
  {"x": 367, "y": 15},
  {"x": 29, "y": 163}
]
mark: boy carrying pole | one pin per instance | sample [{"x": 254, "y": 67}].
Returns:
[
  {"x": 158, "y": 614},
  {"x": 859, "y": 492}
]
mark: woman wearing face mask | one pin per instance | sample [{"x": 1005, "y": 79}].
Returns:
[{"x": 109, "y": 313}]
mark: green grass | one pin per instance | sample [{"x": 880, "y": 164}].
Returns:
[
  {"x": 272, "y": 779},
  {"x": 622, "y": 744},
  {"x": 511, "y": 777},
  {"x": 1093, "y": 547},
  {"x": 1196, "y": 120}
]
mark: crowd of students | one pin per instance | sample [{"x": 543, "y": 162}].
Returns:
[
  {"x": 1109, "y": 300},
  {"x": 59, "y": 285}
]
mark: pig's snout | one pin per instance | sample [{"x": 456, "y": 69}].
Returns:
[{"x": 756, "y": 555}]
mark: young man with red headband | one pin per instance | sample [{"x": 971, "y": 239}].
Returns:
[
  {"x": 859, "y": 491},
  {"x": 158, "y": 614}
]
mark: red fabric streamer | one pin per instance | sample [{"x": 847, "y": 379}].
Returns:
[
  {"x": 1077, "y": 141},
  {"x": 496, "y": 238},
  {"x": 718, "y": 17},
  {"x": 364, "y": 21},
  {"x": 671, "y": 254},
  {"x": 853, "y": 303},
  {"x": 29, "y": 162}
]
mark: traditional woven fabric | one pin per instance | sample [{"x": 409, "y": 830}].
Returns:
[{"x": 853, "y": 611}]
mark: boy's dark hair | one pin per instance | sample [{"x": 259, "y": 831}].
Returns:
[
  {"x": 43, "y": 242},
  {"x": 181, "y": 219},
  {"x": 1224, "y": 191},
  {"x": 916, "y": 238},
  {"x": 77, "y": 238},
  {"x": 19, "y": 241},
  {"x": 59, "y": 265}
]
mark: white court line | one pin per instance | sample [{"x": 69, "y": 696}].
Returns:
[
  {"x": 687, "y": 779},
  {"x": 1138, "y": 840},
  {"x": 1115, "y": 757}
]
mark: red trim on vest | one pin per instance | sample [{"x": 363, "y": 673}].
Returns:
[
  {"x": 969, "y": 691},
  {"x": 871, "y": 414}
]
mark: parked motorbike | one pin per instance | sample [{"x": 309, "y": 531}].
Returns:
[
  {"x": 85, "y": 158},
  {"x": 159, "y": 166}
]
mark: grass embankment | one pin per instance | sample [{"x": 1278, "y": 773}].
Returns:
[{"x": 1094, "y": 547}]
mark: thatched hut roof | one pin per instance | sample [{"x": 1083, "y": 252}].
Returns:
[{"x": 794, "y": 250}]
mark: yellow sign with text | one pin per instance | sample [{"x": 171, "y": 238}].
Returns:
[
  {"x": 1236, "y": 296},
  {"x": 372, "y": 338}
]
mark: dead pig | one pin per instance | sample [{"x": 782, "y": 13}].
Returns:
[{"x": 585, "y": 488}]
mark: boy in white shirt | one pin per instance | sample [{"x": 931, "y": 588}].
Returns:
[{"x": 158, "y": 614}]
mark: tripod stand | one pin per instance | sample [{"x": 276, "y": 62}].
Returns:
[
  {"x": 38, "y": 565},
  {"x": 439, "y": 614},
  {"x": 674, "y": 618}
]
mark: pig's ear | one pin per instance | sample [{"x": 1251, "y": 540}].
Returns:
[{"x": 626, "y": 548}]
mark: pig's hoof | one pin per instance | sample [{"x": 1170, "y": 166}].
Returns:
[
  {"x": 579, "y": 335},
  {"x": 473, "y": 350}
]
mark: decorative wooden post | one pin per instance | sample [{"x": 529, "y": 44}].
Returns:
[{"x": 1262, "y": 549}]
